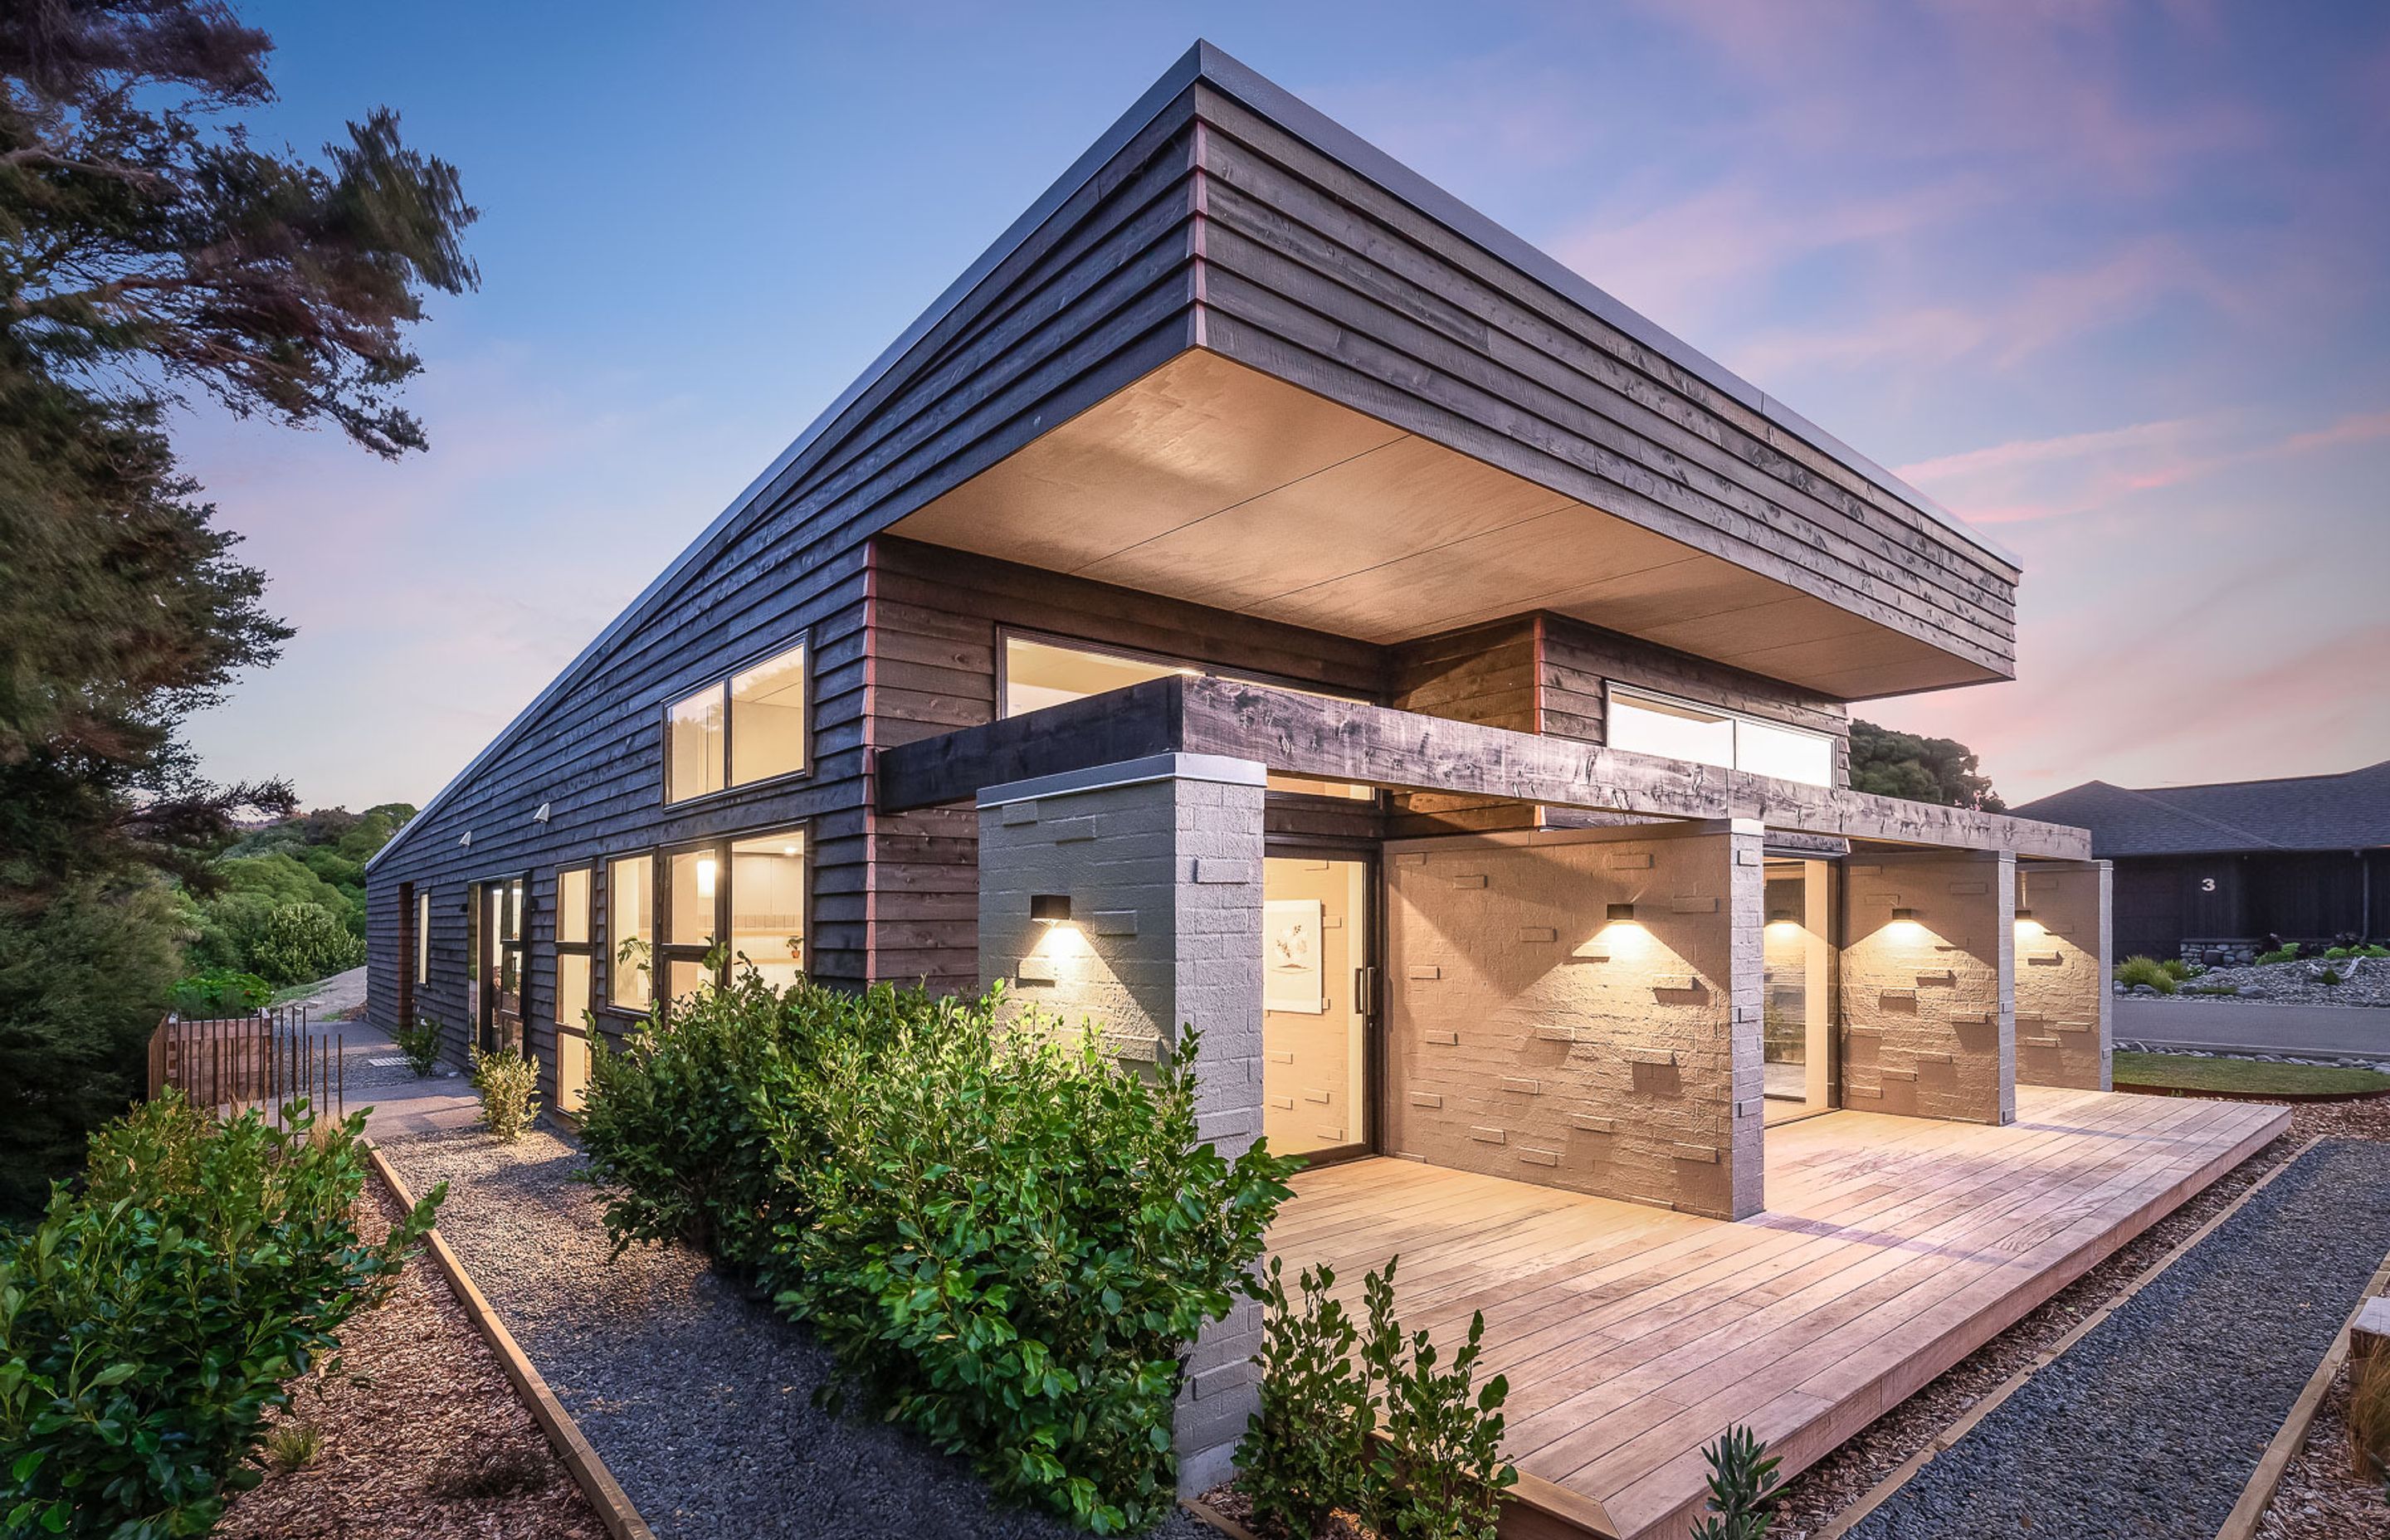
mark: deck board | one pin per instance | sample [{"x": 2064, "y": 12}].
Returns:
[{"x": 1891, "y": 1248}]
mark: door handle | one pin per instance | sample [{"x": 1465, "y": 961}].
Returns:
[{"x": 1365, "y": 992}]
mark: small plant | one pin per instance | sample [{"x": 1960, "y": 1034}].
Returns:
[
  {"x": 2178, "y": 970},
  {"x": 2137, "y": 972},
  {"x": 294, "y": 1444},
  {"x": 2337, "y": 954},
  {"x": 419, "y": 1043},
  {"x": 2281, "y": 954},
  {"x": 1439, "y": 1473},
  {"x": 2330, "y": 976},
  {"x": 1304, "y": 1451},
  {"x": 1742, "y": 1501},
  {"x": 2372, "y": 950},
  {"x": 2369, "y": 1417},
  {"x": 509, "y": 1086}
]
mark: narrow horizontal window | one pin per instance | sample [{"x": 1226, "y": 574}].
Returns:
[{"x": 1678, "y": 729}]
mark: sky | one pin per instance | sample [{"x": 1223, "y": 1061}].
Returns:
[{"x": 2111, "y": 281}]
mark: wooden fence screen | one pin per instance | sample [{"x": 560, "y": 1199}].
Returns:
[{"x": 269, "y": 1061}]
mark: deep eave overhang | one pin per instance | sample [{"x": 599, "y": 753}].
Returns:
[{"x": 1205, "y": 64}]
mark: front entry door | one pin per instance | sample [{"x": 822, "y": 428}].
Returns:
[
  {"x": 499, "y": 966},
  {"x": 1317, "y": 987},
  {"x": 1797, "y": 959}
]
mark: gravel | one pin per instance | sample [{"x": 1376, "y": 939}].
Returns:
[
  {"x": 698, "y": 1400},
  {"x": 2363, "y": 981},
  {"x": 2151, "y": 1424}
]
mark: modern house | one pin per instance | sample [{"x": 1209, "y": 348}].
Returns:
[
  {"x": 1263, "y": 594},
  {"x": 2209, "y": 872}
]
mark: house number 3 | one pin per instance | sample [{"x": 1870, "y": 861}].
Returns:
[{"x": 2207, "y": 884}]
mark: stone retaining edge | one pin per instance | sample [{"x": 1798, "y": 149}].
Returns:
[{"x": 614, "y": 1508}]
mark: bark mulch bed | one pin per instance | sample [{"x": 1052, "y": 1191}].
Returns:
[
  {"x": 1818, "y": 1494},
  {"x": 422, "y": 1434},
  {"x": 2321, "y": 1496}
]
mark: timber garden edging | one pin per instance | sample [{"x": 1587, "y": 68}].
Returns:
[{"x": 614, "y": 1508}]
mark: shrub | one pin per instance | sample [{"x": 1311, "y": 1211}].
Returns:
[
  {"x": 2176, "y": 969},
  {"x": 684, "y": 1128},
  {"x": 419, "y": 1043},
  {"x": 302, "y": 943},
  {"x": 2369, "y": 1417},
  {"x": 1305, "y": 1450},
  {"x": 1434, "y": 1472},
  {"x": 2372, "y": 950},
  {"x": 2336, "y": 954},
  {"x": 2328, "y": 976},
  {"x": 508, "y": 1083},
  {"x": 1438, "y": 1473},
  {"x": 149, "y": 1325},
  {"x": 2146, "y": 970},
  {"x": 1742, "y": 1499},
  {"x": 2281, "y": 954},
  {"x": 1010, "y": 1238},
  {"x": 83, "y": 980},
  {"x": 294, "y": 1444},
  {"x": 220, "y": 992}
]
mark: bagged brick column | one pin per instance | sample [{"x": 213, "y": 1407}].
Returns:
[
  {"x": 1160, "y": 861},
  {"x": 1928, "y": 984},
  {"x": 2065, "y": 1026}
]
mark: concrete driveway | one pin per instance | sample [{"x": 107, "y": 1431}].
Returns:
[{"x": 2321, "y": 1032}]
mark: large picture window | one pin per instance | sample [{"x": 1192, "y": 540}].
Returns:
[
  {"x": 1039, "y": 672},
  {"x": 747, "y": 727},
  {"x": 695, "y": 915},
  {"x": 1646, "y": 723}
]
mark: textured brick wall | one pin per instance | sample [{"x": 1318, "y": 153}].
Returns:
[
  {"x": 1532, "y": 1038},
  {"x": 1164, "y": 878},
  {"x": 1929, "y": 1007},
  {"x": 2065, "y": 1034}
]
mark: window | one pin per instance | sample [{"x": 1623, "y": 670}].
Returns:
[
  {"x": 1040, "y": 673},
  {"x": 736, "y": 904},
  {"x": 630, "y": 932},
  {"x": 423, "y": 937},
  {"x": 1645, "y": 723},
  {"x": 572, "y": 966},
  {"x": 737, "y": 731}
]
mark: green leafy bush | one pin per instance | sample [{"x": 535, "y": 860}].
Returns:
[
  {"x": 2281, "y": 954},
  {"x": 2178, "y": 970},
  {"x": 302, "y": 943},
  {"x": 509, "y": 1084},
  {"x": 2330, "y": 976},
  {"x": 1305, "y": 1452},
  {"x": 1742, "y": 1499},
  {"x": 2336, "y": 954},
  {"x": 220, "y": 992},
  {"x": 419, "y": 1043},
  {"x": 2146, "y": 970},
  {"x": 1432, "y": 1471},
  {"x": 1438, "y": 1473},
  {"x": 685, "y": 1129},
  {"x": 149, "y": 1324},
  {"x": 1010, "y": 1238},
  {"x": 2372, "y": 949}
]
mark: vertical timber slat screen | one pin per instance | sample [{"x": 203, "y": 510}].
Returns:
[{"x": 265, "y": 1062}]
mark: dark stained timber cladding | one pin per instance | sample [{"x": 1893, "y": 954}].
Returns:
[
  {"x": 1318, "y": 276},
  {"x": 1097, "y": 295}
]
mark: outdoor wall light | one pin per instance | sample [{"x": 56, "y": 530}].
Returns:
[
  {"x": 1904, "y": 917},
  {"x": 1622, "y": 911},
  {"x": 1049, "y": 908},
  {"x": 2026, "y": 923}
]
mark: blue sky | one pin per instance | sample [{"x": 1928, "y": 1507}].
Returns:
[{"x": 2112, "y": 280}]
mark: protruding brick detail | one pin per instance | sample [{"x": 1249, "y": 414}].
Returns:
[
  {"x": 1634, "y": 1054},
  {"x": 2063, "y": 979},
  {"x": 1929, "y": 1002},
  {"x": 1183, "y": 857}
]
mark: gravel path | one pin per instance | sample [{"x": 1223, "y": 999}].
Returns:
[
  {"x": 2151, "y": 1426},
  {"x": 699, "y": 1401}
]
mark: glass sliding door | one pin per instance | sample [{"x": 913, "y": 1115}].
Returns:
[
  {"x": 1317, "y": 991},
  {"x": 1797, "y": 956}
]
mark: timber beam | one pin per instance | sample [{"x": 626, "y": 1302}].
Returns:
[{"x": 1324, "y": 739}]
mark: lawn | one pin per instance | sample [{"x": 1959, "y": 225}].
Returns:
[{"x": 2184, "y": 1073}]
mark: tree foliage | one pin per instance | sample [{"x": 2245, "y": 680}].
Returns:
[
  {"x": 1921, "y": 769},
  {"x": 151, "y": 250}
]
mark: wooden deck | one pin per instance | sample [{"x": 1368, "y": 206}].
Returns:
[{"x": 1891, "y": 1248}]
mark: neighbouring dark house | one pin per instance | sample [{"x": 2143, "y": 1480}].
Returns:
[
  {"x": 1263, "y": 595},
  {"x": 2219, "y": 868}
]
